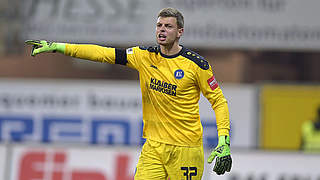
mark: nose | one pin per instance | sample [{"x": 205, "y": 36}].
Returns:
[{"x": 162, "y": 28}]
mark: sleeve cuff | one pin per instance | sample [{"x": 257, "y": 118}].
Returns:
[{"x": 223, "y": 132}]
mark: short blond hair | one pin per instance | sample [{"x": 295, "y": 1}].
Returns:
[{"x": 172, "y": 12}]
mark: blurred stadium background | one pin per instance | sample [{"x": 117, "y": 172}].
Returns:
[{"x": 65, "y": 119}]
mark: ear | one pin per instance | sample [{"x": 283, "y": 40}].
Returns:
[{"x": 180, "y": 32}]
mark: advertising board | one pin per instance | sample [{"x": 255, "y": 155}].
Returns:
[
  {"x": 118, "y": 163},
  {"x": 103, "y": 112},
  {"x": 266, "y": 24}
]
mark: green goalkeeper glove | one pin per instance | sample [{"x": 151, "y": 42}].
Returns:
[
  {"x": 222, "y": 152},
  {"x": 40, "y": 46}
]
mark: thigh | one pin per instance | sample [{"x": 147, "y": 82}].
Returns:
[
  {"x": 186, "y": 163},
  {"x": 150, "y": 166}
]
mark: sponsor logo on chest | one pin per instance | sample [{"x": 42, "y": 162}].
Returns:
[{"x": 163, "y": 87}]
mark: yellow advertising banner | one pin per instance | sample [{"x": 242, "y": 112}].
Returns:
[{"x": 283, "y": 110}]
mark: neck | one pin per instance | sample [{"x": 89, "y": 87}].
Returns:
[{"x": 171, "y": 49}]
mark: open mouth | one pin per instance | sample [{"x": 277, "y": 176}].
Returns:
[{"x": 162, "y": 37}]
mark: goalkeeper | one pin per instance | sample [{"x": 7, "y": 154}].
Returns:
[{"x": 171, "y": 79}]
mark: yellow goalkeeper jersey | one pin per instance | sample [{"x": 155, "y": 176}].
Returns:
[{"x": 170, "y": 87}]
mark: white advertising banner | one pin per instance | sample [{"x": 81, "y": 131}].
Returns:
[
  {"x": 95, "y": 112},
  {"x": 104, "y": 112},
  {"x": 118, "y": 163},
  {"x": 268, "y": 24},
  {"x": 3, "y": 158}
]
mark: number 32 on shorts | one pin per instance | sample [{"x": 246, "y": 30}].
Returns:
[{"x": 189, "y": 172}]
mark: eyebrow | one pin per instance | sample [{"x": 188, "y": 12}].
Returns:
[{"x": 164, "y": 23}]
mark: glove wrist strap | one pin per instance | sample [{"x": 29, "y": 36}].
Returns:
[
  {"x": 222, "y": 140},
  {"x": 60, "y": 47}
]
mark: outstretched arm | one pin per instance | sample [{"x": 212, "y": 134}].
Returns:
[{"x": 82, "y": 51}]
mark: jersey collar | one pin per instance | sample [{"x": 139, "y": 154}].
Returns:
[{"x": 172, "y": 56}]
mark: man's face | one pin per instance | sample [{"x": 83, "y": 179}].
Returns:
[{"x": 167, "y": 31}]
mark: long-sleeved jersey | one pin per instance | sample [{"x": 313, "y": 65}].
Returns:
[{"x": 170, "y": 87}]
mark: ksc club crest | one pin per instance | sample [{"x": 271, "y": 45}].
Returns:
[{"x": 178, "y": 74}]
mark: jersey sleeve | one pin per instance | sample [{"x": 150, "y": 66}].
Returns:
[
  {"x": 92, "y": 52},
  {"x": 211, "y": 90},
  {"x": 127, "y": 57}
]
